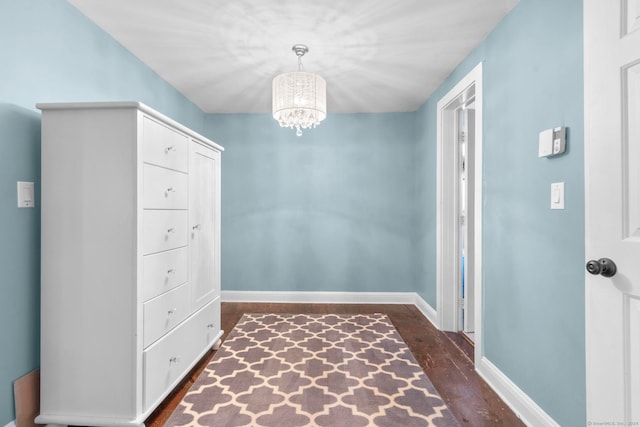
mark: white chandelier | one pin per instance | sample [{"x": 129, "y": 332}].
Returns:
[{"x": 299, "y": 98}]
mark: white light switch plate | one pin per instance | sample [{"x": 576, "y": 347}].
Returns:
[
  {"x": 557, "y": 195},
  {"x": 26, "y": 195}
]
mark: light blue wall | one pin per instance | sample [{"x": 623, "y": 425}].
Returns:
[
  {"x": 19, "y": 252},
  {"x": 350, "y": 206},
  {"x": 331, "y": 210},
  {"x": 425, "y": 177},
  {"x": 533, "y": 267},
  {"x": 49, "y": 53}
]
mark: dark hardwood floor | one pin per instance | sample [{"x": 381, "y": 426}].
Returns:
[{"x": 446, "y": 358}]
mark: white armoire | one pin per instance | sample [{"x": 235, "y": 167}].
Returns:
[{"x": 130, "y": 260}]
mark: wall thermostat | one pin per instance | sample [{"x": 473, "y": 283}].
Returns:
[{"x": 552, "y": 142}]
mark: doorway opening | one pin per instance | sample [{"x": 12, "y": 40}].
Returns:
[
  {"x": 459, "y": 214},
  {"x": 465, "y": 115}
]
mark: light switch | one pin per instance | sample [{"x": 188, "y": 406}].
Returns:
[
  {"x": 557, "y": 195},
  {"x": 26, "y": 195}
]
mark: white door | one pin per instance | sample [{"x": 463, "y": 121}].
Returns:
[
  {"x": 612, "y": 171},
  {"x": 203, "y": 212}
]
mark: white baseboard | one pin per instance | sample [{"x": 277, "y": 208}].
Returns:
[
  {"x": 429, "y": 312},
  {"x": 320, "y": 297},
  {"x": 519, "y": 402},
  {"x": 335, "y": 298},
  {"x": 11, "y": 424}
]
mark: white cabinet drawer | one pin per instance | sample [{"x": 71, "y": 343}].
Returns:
[
  {"x": 166, "y": 360},
  {"x": 164, "y": 312},
  {"x": 207, "y": 321},
  {"x": 164, "y": 146},
  {"x": 164, "y": 363},
  {"x": 163, "y": 230},
  {"x": 164, "y": 271},
  {"x": 164, "y": 188}
]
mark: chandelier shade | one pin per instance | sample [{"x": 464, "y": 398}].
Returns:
[{"x": 299, "y": 98}]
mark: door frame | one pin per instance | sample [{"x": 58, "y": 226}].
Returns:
[{"x": 447, "y": 207}]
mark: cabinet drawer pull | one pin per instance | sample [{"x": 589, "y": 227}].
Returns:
[
  {"x": 172, "y": 311},
  {"x": 169, "y": 148},
  {"x": 168, "y": 191},
  {"x": 171, "y": 230},
  {"x": 171, "y": 271},
  {"x": 211, "y": 326},
  {"x": 174, "y": 359},
  {"x": 196, "y": 227}
]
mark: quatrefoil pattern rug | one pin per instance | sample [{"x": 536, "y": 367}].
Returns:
[{"x": 279, "y": 370}]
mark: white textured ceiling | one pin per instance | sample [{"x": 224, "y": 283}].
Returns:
[{"x": 375, "y": 55}]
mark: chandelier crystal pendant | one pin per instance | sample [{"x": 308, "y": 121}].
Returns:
[{"x": 299, "y": 98}]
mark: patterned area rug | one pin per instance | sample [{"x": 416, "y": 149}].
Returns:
[{"x": 279, "y": 370}]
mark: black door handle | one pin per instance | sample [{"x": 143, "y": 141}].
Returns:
[{"x": 603, "y": 266}]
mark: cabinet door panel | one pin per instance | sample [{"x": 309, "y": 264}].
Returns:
[{"x": 204, "y": 220}]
